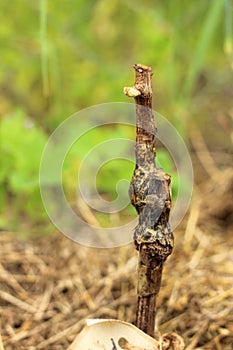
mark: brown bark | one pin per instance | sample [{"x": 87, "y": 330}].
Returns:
[{"x": 150, "y": 194}]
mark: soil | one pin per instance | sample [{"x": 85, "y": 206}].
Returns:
[{"x": 51, "y": 285}]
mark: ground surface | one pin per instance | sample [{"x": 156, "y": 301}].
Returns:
[{"x": 49, "y": 286}]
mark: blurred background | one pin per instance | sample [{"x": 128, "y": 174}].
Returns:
[{"x": 59, "y": 57}]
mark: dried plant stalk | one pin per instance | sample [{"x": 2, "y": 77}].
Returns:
[{"x": 150, "y": 195}]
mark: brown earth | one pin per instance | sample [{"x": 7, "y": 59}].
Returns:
[{"x": 50, "y": 285}]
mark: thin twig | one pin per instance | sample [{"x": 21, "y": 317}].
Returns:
[
  {"x": 17, "y": 302},
  {"x": 150, "y": 195}
]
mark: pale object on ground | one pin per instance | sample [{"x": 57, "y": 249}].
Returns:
[{"x": 117, "y": 335}]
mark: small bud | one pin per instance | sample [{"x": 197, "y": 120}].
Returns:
[{"x": 131, "y": 91}]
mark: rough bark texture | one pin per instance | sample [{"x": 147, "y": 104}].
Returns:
[{"x": 150, "y": 194}]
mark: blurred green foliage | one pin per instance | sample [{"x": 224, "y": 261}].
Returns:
[{"x": 58, "y": 57}]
